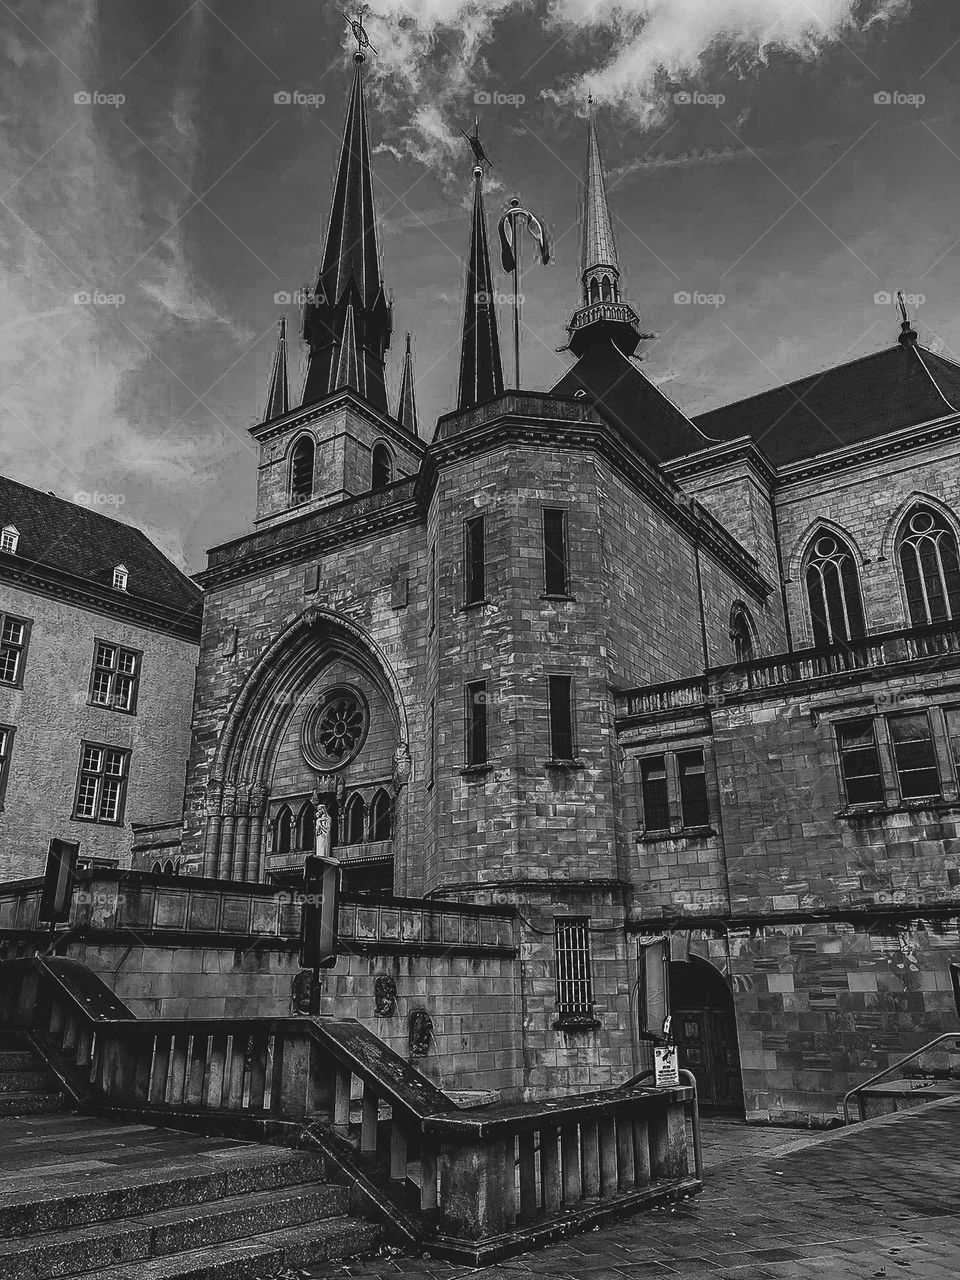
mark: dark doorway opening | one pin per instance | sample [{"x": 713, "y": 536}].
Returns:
[{"x": 704, "y": 1026}]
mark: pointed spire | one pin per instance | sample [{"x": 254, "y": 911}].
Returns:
[
  {"x": 481, "y": 373},
  {"x": 407, "y": 404},
  {"x": 908, "y": 335},
  {"x": 278, "y": 398},
  {"x": 599, "y": 249},
  {"x": 603, "y": 315},
  {"x": 350, "y": 270},
  {"x": 348, "y": 364}
]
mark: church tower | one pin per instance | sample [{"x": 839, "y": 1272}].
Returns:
[{"x": 342, "y": 440}]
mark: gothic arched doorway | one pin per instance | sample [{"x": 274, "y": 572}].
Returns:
[{"x": 704, "y": 1026}]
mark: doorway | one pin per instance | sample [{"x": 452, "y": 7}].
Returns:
[{"x": 704, "y": 1026}]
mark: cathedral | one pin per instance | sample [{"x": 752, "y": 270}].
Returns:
[{"x": 682, "y": 693}]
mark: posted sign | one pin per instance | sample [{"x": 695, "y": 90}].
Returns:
[{"x": 666, "y": 1066}]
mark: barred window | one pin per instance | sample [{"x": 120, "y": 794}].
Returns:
[
  {"x": 653, "y": 786},
  {"x": 115, "y": 680},
  {"x": 6, "y": 746},
  {"x": 101, "y": 784},
  {"x": 301, "y": 470},
  {"x": 13, "y": 644},
  {"x": 860, "y": 762},
  {"x": 476, "y": 718},
  {"x": 930, "y": 566},
  {"x": 474, "y": 567},
  {"x": 914, "y": 755},
  {"x": 574, "y": 981},
  {"x": 555, "y": 570},
  {"x": 694, "y": 810},
  {"x": 560, "y": 699},
  {"x": 833, "y": 592}
]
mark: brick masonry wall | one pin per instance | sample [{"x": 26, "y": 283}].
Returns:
[{"x": 52, "y": 715}]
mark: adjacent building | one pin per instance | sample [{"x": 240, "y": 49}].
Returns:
[{"x": 98, "y": 653}]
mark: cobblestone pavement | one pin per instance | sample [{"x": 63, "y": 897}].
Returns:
[{"x": 871, "y": 1203}]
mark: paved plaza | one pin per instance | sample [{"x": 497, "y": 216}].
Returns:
[{"x": 871, "y": 1203}]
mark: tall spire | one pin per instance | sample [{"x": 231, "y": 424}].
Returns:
[
  {"x": 481, "y": 373},
  {"x": 603, "y": 315},
  {"x": 278, "y": 398},
  {"x": 350, "y": 271},
  {"x": 407, "y": 404}
]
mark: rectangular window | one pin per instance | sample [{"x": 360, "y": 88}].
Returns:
[
  {"x": 433, "y": 587},
  {"x": 914, "y": 755},
  {"x": 474, "y": 584},
  {"x": 13, "y": 644},
  {"x": 433, "y": 740},
  {"x": 694, "y": 811},
  {"x": 653, "y": 785},
  {"x": 6, "y": 747},
  {"x": 556, "y": 579},
  {"x": 476, "y": 698},
  {"x": 860, "y": 762},
  {"x": 101, "y": 784},
  {"x": 574, "y": 982},
  {"x": 560, "y": 699},
  {"x": 115, "y": 680}
]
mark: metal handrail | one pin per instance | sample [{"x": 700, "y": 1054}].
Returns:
[
  {"x": 691, "y": 1079},
  {"x": 888, "y": 1071}
]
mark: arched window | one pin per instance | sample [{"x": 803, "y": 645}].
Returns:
[
  {"x": 741, "y": 633},
  {"x": 353, "y": 819},
  {"x": 381, "y": 817},
  {"x": 833, "y": 591},
  {"x": 605, "y": 289},
  {"x": 157, "y": 869},
  {"x": 283, "y": 831},
  {"x": 301, "y": 471},
  {"x": 930, "y": 566},
  {"x": 594, "y": 291},
  {"x": 382, "y": 470},
  {"x": 307, "y": 827}
]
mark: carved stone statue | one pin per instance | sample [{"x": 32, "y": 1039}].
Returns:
[
  {"x": 402, "y": 765},
  {"x": 302, "y": 991},
  {"x": 420, "y": 1033},
  {"x": 324, "y": 830},
  {"x": 385, "y": 996}
]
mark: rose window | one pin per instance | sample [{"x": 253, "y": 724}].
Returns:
[{"x": 334, "y": 729}]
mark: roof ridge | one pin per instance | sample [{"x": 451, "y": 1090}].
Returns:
[
  {"x": 663, "y": 396},
  {"x": 929, "y": 372}
]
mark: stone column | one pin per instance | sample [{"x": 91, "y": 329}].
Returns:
[
  {"x": 228, "y": 836},
  {"x": 258, "y": 809},
  {"x": 213, "y": 826}
]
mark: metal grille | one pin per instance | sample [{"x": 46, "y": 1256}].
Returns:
[{"x": 574, "y": 983}]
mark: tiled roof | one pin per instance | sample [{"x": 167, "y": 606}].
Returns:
[
  {"x": 899, "y": 387},
  {"x": 69, "y": 538},
  {"x": 623, "y": 395}
]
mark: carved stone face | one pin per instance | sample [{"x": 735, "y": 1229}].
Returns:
[
  {"x": 421, "y": 1033},
  {"x": 302, "y": 983},
  {"x": 385, "y": 996}
]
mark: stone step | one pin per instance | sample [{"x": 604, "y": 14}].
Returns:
[
  {"x": 122, "y": 1194},
  {"x": 19, "y": 1060},
  {"x": 194, "y": 1227},
  {"x": 901, "y": 1095},
  {"x": 29, "y": 1103},
  {"x": 35, "y": 1080},
  {"x": 256, "y": 1257}
]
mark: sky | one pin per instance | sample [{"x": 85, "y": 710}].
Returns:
[{"x": 777, "y": 169}]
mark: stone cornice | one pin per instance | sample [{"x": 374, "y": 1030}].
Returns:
[
  {"x": 58, "y": 585},
  {"x": 343, "y": 399},
  {"x": 855, "y": 456},
  {"x": 743, "y": 449}
]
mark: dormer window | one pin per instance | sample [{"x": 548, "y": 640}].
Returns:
[
  {"x": 120, "y": 576},
  {"x": 9, "y": 537}
]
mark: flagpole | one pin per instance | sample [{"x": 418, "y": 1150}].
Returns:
[{"x": 516, "y": 293}]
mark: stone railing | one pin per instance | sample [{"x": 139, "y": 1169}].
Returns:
[
  {"x": 803, "y": 666},
  {"x": 474, "y": 1186},
  {"x": 172, "y": 909}
]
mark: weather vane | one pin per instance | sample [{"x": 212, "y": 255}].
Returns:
[
  {"x": 359, "y": 30},
  {"x": 476, "y": 145}
]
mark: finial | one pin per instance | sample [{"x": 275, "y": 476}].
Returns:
[
  {"x": 908, "y": 335},
  {"x": 478, "y": 171},
  {"x": 476, "y": 146},
  {"x": 359, "y": 34}
]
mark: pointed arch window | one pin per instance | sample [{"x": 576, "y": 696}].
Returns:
[
  {"x": 353, "y": 820},
  {"x": 741, "y": 633},
  {"x": 306, "y": 827},
  {"x": 594, "y": 290},
  {"x": 833, "y": 591},
  {"x": 283, "y": 831},
  {"x": 930, "y": 565},
  {"x": 605, "y": 292},
  {"x": 381, "y": 817},
  {"x": 301, "y": 470},
  {"x": 382, "y": 468}
]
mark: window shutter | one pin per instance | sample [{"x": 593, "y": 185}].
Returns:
[{"x": 654, "y": 986}]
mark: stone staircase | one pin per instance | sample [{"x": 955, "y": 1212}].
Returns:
[
  {"x": 27, "y": 1087},
  {"x": 906, "y": 1092},
  {"x": 105, "y": 1200}
]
